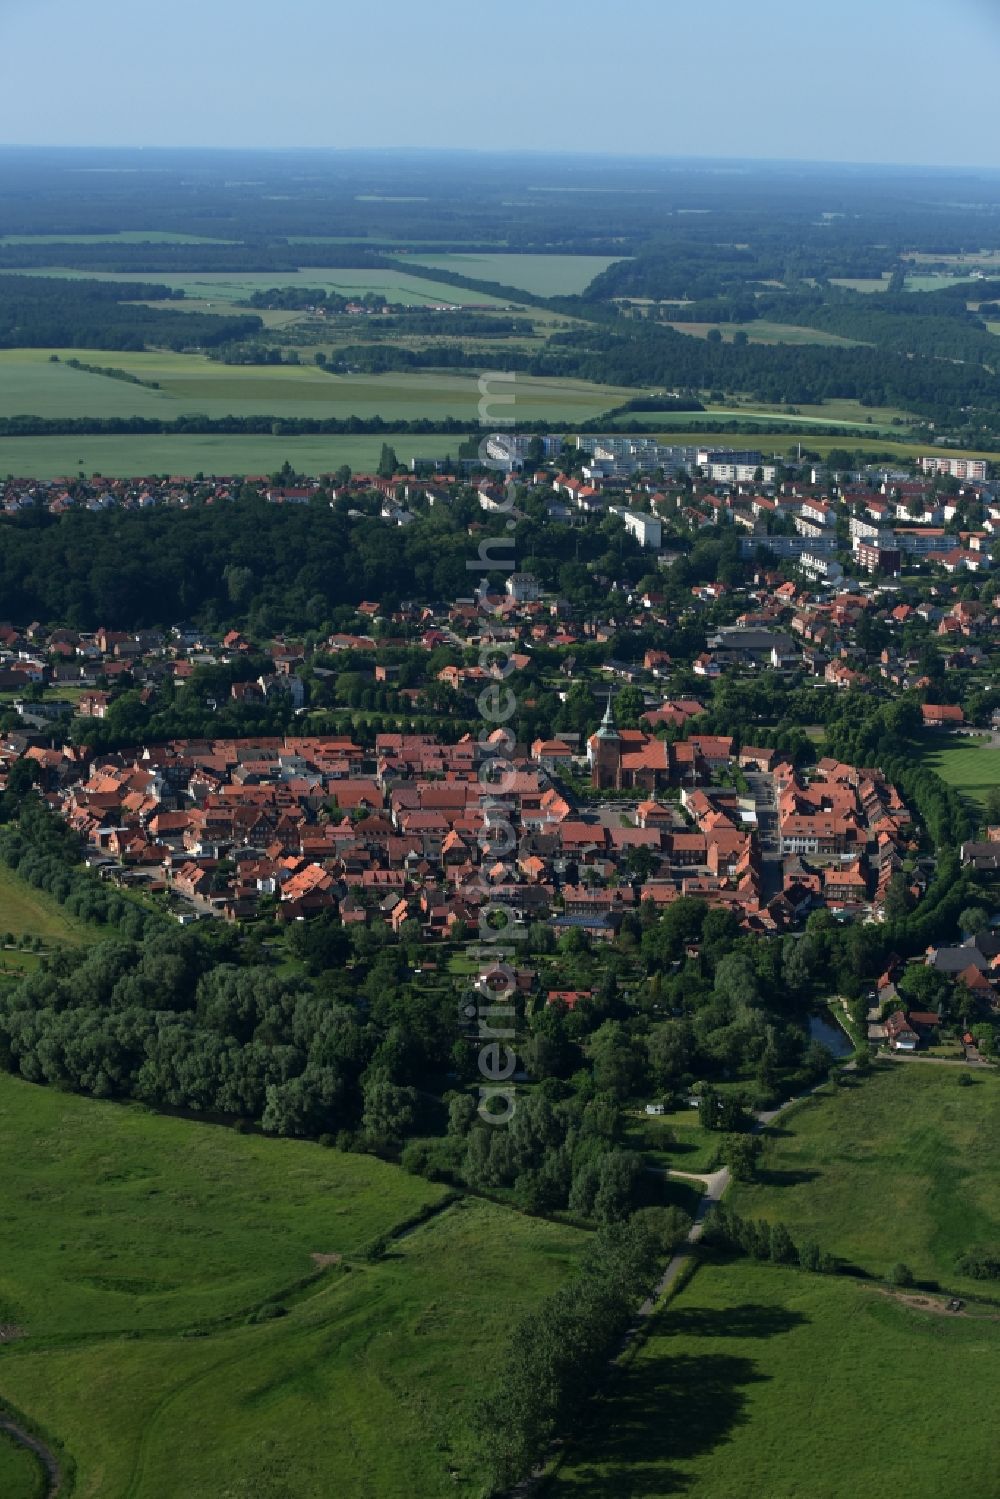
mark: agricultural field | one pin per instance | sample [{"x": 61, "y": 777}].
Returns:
[
  {"x": 898, "y": 1167},
  {"x": 31, "y": 383},
  {"x": 756, "y": 1380},
  {"x": 126, "y": 1230},
  {"x": 227, "y": 287},
  {"x": 972, "y": 766},
  {"x": 56, "y": 457},
  {"x": 27, "y": 912},
  {"x": 541, "y": 275}
]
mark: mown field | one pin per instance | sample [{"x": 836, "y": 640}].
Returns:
[
  {"x": 542, "y": 275},
  {"x": 972, "y": 767},
  {"x": 126, "y": 1233},
  {"x": 764, "y": 1383},
  {"x": 899, "y": 1167},
  {"x": 31, "y": 382}
]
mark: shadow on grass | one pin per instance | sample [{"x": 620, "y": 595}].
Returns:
[
  {"x": 785, "y": 1178},
  {"x": 748, "y": 1320},
  {"x": 669, "y": 1409}
]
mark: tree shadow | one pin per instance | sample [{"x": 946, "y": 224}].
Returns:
[
  {"x": 667, "y": 1409},
  {"x": 748, "y": 1320},
  {"x": 786, "y": 1178}
]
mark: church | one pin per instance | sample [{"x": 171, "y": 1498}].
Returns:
[{"x": 628, "y": 759}]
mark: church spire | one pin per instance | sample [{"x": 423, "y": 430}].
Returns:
[{"x": 608, "y": 729}]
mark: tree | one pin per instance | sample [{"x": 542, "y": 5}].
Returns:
[
  {"x": 388, "y": 1112},
  {"x": 974, "y": 920},
  {"x": 741, "y": 1154},
  {"x": 900, "y": 1274},
  {"x": 388, "y": 462}
]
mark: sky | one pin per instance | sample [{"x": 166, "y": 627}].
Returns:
[{"x": 896, "y": 81}]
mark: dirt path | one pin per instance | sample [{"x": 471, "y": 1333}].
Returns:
[
  {"x": 936, "y": 1306},
  {"x": 45, "y": 1455}
]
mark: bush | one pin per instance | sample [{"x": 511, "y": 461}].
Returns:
[
  {"x": 266, "y": 1313},
  {"x": 981, "y": 1263}
]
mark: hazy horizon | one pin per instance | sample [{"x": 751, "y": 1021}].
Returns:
[{"x": 837, "y": 84}]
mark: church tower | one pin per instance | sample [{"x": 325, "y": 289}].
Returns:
[{"x": 606, "y": 770}]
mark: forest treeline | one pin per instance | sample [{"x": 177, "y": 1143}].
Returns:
[{"x": 52, "y": 312}]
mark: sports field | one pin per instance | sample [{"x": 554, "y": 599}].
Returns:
[
  {"x": 543, "y": 275},
  {"x": 764, "y": 1383},
  {"x": 197, "y": 1303},
  {"x": 971, "y": 766},
  {"x": 898, "y": 1167}
]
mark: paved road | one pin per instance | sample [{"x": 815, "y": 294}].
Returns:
[{"x": 44, "y": 1454}]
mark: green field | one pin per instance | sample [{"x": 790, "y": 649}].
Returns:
[
  {"x": 25, "y": 911},
  {"x": 30, "y": 382},
  {"x": 234, "y": 286},
  {"x": 775, "y": 439},
  {"x": 21, "y": 1475},
  {"x": 56, "y": 457},
  {"x": 675, "y": 1141},
  {"x": 119, "y": 237},
  {"x": 846, "y": 414},
  {"x": 763, "y": 1383},
  {"x": 763, "y": 332},
  {"x": 899, "y": 1167},
  {"x": 971, "y": 767},
  {"x": 125, "y": 1231},
  {"x": 542, "y": 275}
]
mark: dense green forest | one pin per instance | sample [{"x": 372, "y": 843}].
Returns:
[{"x": 47, "y": 312}]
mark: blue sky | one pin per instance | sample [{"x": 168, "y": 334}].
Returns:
[{"x": 850, "y": 80}]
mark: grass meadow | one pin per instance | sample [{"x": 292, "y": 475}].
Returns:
[
  {"x": 27, "y": 912},
  {"x": 971, "y": 766},
  {"x": 21, "y": 1474},
  {"x": 898, "y": 1167},
  {"x": 135, "y": 1247},
  {"x": 763, "y": 332},
  {"x": 758, "y": 1381}
]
